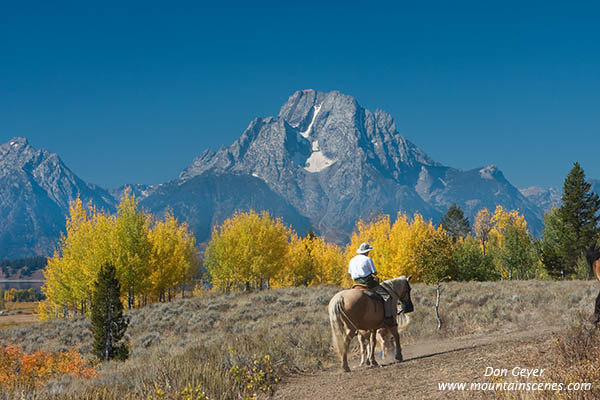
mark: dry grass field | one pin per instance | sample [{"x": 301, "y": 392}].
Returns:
[
  {"x": 18, "y": 314},
  {"x": 277, "y": 343}
]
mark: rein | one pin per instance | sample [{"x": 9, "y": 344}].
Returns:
[{"x": 390, "y": 289}]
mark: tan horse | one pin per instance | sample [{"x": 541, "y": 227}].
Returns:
[
  {"x": 351, "y": 311},
  {"x": 593, "y": 257}
]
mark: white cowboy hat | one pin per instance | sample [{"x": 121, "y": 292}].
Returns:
[{"x": 364, "y": 248}]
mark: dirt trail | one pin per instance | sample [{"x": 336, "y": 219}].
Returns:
[{"x": 426, "y": 364}]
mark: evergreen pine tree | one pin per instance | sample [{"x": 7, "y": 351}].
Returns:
[
  {"x": 455, "y": 223},
  {"x": 107, "y": 319},
  {"x": 579, "y": 212},
  {"x": 552, "y": 245}
]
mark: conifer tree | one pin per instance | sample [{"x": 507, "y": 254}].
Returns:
[
  {"x": 455, "y": 223},
  {"x": 579, "y": 212},
  {"x": 107, "y": 319},
  {"x": 552, "y": 245}
]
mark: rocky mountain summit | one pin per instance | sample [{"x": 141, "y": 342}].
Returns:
[
  {"x": 35, "y": 190},
  {"x": 331, "y": 159},
  {"x": 323, "y": 162},
  {"x": 545, "y": 199},
  {"x": 337, "y": 162}
]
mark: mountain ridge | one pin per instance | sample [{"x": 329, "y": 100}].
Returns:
[
  {"x": 322, "y": 162},
  {"x": 336, "y": 162},
  {"x": 35, "y": 190}
]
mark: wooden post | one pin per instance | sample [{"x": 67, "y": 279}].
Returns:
[{"x": 438, "y": 292}]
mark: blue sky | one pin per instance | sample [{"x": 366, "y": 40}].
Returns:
[{"x": 131, "y": 92}]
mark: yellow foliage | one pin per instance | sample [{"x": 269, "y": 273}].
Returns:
[
  {"x": 298, "y": 269},
  {"x": 329, "y": 263},
  {"x": 500, "y": 222},
  {"x": 482, "y": 227},
  {"x": 173, "y": 257},
  {"x": 377, "y": 234},
  {"x": 248, "y": 249},
  {"x": 418, "y": 248},
  {"x": 311, "y": 261},
  {"x": 143, "y": 254}
]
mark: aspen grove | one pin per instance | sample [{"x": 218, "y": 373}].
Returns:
[{"x": 152, "y": 257}]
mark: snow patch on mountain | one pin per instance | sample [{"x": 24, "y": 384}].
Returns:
[
  {"x": 306, "y": 133},
  {"x": 488, "y": 172}
]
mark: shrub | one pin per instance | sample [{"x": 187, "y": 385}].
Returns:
[{"x": 18, "y": 369}]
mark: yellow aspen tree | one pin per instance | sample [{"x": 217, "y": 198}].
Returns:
[
  {"x": 270, "y": 247},
  {"x": 73, "y": 268},
  {"x": 501, "y": 220},
  {"x": 511, "y": 245},
  {"x": 56, "y": 293},
  {"x": 247, "y": 250},
  {"x": 163, "y": 263},
  {"x": 329, "y": 263},
  {"x": 132, "y": 249},
  {"x": 403, "y": 242},
  {"x": 376, "y": 233},
  {"x": 482, "y": 226},
  {"x": 434, "y": 257},
  {"x": 185, "y": 255},
  {"x": 299, "y": 267},
  {"x": 223, "y": 256},
  {"x": 409, "y": 244},
  {"x": 419, "y": 249}
]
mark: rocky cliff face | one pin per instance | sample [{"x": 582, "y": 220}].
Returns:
[
  {"x": 337, "y": 162},
  {"x": 208, "y": 199},
  {"x": 35, "y": 191},
  {"x": 545, "y": 199},
  {"x": 334, "y": 161}
]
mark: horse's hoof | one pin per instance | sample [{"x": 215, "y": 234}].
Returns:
[
  {"x": 346, "y": 368},
  {"x": 399, "y": 358}
]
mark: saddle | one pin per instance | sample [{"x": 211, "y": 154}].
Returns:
[{"x": 368, "y": 292}]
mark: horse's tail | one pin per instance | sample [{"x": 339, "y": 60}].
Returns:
[
  {"x": 403, "y": 321},
  {"x": 338, "y": 330}
]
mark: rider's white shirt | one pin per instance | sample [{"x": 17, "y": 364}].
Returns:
[{"x": 361, "y": 266}]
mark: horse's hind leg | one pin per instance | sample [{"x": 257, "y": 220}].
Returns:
[
  {"x": 349, "y": 335},
  {"x": 372, "y": 344},
  {"x": 397, "y": 343},
  {"x": 363, "y": 348}
]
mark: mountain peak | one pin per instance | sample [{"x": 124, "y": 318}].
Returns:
[
  {"x": 18, "y": 141},
  {"x": 314, "y": 132},
  {"x": 17, "y": 152},
  {"x": 16, "y": 144},
  {"x": 300, "y": 108},
  {"x": 35, "y": 191},
  {"x": 489, "y": 172}
]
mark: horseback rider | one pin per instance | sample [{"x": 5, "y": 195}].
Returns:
[{"x": 363, "y": 273}]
